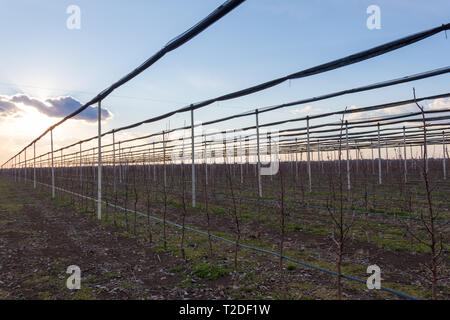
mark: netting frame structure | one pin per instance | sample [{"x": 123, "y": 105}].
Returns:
[{"x": 320, "y": 138}]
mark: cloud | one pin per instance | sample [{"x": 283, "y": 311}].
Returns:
[
  {"x": 7, "y": 108},
  {"x": 443, "y": 103},
  {"x": 437, "y": 104},
  {"x": 54, "y": 107},
  {"x": 380, "y": 113},
  {"x": 303, "y": 110}
]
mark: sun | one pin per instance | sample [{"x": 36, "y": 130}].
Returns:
[{"x": 32, "y": 122}]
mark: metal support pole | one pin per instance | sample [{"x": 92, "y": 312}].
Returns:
[
  {"x": 379, "y": 156},
  {"x": 99, "y": 186},
  {"x": 308, "y": 153},
  {"x": 25, "y": 166},
  {"x": 387, "y": 159},
  {"x": 443, "y": 158},
  {"x": 120, "y": 164},
  {"x": 269, "y": 149},
  {"x": 62, "y": 164},
  {"x": 348, "y": 156},
  {"x": 412, "y": 156},
  {"x": 296, "y": 160},
  {"x": 373, "y": 161},
  {"x": 318, "y": 154},
  {"x": 234, "y": 154},
  {"x": 81, "y": 167},
  {"x": 164, "y": 160},
  {"x": 247, "y": 153},
  {"x": 240, "y": 159},
  {"x": 193, "y": 157},
  {"x": 258, "y": 153},
  {"x": 53, "y": 168},
  {"x": 154, "y": 164},
  {"x": 114, "y": 161},
  {"x": 34, "y": 165},
  {"x": 425, "y": 148},
  {"x": 404, "y": 154},
  {"x": 225, "y": 155},
  {"x": 206, "y": 160}
]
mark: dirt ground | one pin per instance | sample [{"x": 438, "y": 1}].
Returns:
[{"x": 40, "y": 238}]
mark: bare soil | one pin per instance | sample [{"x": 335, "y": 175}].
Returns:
[{"x": 40, "y": 238}]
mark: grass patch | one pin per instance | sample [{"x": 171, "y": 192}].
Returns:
[{"x": 208, "y": 272}]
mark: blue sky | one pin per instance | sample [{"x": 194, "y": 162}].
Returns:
[{"x": 260, "y": 40}]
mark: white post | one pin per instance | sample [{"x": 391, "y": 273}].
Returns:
[
  {"x": 154, "y": 164},
  {"x": 81, "y": 167},
  {"x": 34, "y": 164},
  {"x": 318, "y": 154},
  {"x": 412, "y": 156},
  {"x": 443, "y": 159},
  {"x": 357, "y": 156},
  {"x": 225, "y": 156},
  {"x": 120, "y": 164},
  {"x": 373, "y": 160},
  {"x": 387, "y": 159},
  {"x": 404, "y": 154},
  {"x": 308, "y": 152},
  {"x": 164, "y": 160},
  {"x": 269, "y": 147},
  {"x": 259, "y": 159},
  {"x": 348, "y": 156},
  {"x": 61, "y": 164},
  {"x": 114, "y": 160},
  {"x": 53, "y": 168},
  {"x": 296, "y": 160},
  {"x": 47, "y": 169},
  {"x": 193, "y": 157},
  {"x": 99, "y": 186},
  {"x": 247, "y": 148},
  {"x": 240, "y": 159},
  {"x": 425, "y": 148},
  {"x": 25, "y": 166},
  {"x": 234, "y": 154},
  {"x": 206, "y": 160},
  {"x": 379, "y": 156}
]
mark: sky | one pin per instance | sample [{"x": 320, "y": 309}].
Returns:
[{"x": 47, "y": 70}]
